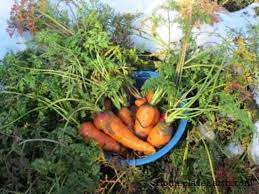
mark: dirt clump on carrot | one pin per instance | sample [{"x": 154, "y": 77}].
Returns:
[
  {"x": 160, "y": 135},
  {"x": 140, "y": 131}
]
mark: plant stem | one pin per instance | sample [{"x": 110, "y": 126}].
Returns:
[
  {"x": 211, "y": 165},
  {"x": 185, "y": 46},
  {"x": 40, "y": 139},
  {"x": 56, "y": 22}
]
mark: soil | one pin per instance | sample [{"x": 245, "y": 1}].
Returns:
[{"x": 235, "y": 5}]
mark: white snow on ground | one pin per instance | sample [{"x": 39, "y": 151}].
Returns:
[
  {"x": 206, "y": 34},
  {"x": 254, "y": 146},
  {"x": 256, "y": 95},
  {"x": 209, "y": 34},
  {"x": 237, "y": 21},
  {"x": 234, "y": 149},
  {"x": 134, "y": 6}
]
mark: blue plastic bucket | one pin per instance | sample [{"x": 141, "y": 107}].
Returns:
[{"x": 141, "y": 77}]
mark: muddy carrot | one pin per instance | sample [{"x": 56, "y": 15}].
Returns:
[{"x": 160, "y": 135}]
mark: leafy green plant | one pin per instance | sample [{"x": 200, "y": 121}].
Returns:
[{"x": 49, "y": 89}]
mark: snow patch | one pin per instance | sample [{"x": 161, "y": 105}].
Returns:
[
  {"x": 256, "y": 95},
  {"x": 234, "y": 149},
  {"x": 254, "y": 146},
  {"x": 205, "y": 35},
  {"x": 134, "y": 6}
]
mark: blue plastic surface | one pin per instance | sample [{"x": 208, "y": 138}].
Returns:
[{"x": 141, "y": 77}]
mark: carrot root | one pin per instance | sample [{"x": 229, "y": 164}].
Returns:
[
  {"x": 140, "y": 101},
  {"x": 141, "y": 131},
  {"x": 89, "y": 131},
  {"x": 160, "y": 135},
  {"x": 149, "y": 96},
  {"x": 147, "y": 115},
  {"x": 115, "y": 128},
  {"x": 126, "y": 116}
]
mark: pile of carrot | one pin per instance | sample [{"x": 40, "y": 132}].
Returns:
[{"x": 139, "y": 127}]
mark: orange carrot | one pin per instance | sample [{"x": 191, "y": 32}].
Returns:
[
  {"x": 160, "y": 135},
  {"x": 147, "y": 115},
  {"x": 141, "y": 131},
  {"x": 101, "y": 120},
  {"x": 115, "y": 128},
  {"x": 126, "y": 116},
  {"x": 140, "y": 101},
  {"x": 89, "y": 131},
  {"x": 149, "y": 96},
  {"x": 157, "y": 117}
]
